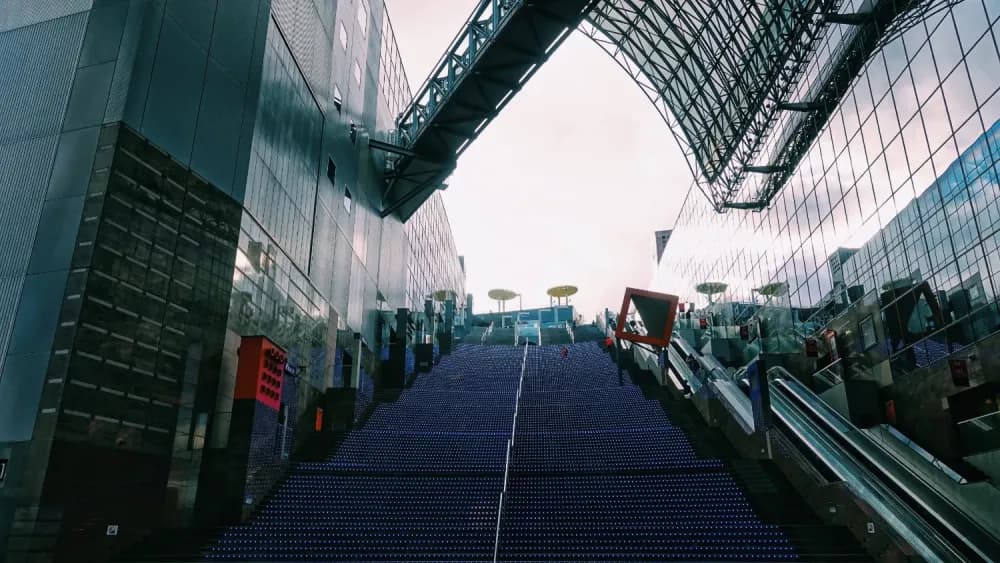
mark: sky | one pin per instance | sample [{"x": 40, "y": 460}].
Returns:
[{"x": 567, "y": 184}]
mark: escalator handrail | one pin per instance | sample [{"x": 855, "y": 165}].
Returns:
[
  {"x": 711, "y": 365},
  {"x": 923, "y": 538},
  {"x": 821, "y": 440},
  {"x": 933, "y": 502},
  {"x": 683, "y": 345},
  {"x": 927, "y": 456}
]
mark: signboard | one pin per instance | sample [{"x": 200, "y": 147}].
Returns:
[
  {"x": 260, "y": 371},
  {"x": 3, "y": 469},
  {"x": 319, "y": 419},
  {"x": 112, "y": 530},
  {"x": 959, "y": 368}
]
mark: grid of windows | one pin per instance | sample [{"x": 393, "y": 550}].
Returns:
[
  {"x": 433, "y": 261},
  {"x": 393, "y": 86},
  {"x": 281, "y": 182},
  {"x": 905, "y": 172},
  {"x": 274, "y": 293},
  {"x": 151, "y": 278}
]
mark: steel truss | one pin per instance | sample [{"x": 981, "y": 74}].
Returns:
[
  {"x": 713, "y": 69},
  {"x": 885, "y": 21},
  {"x": 719, "y": 72},
  {"x": 497, "y": 51}
]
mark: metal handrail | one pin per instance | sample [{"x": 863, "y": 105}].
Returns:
[
  {"x": 510, "y": 447},
  {"x": 925, "y": 455},
  {"x": 913, "y": 530},
  {"x": 831, "y": 377},
  {"x": 924, "y": 494},
  {"x": 871, "y": 483}
]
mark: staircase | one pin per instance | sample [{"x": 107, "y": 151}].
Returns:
[
  {"x": 556, "y": 336},
  {"x": 588, "y": 333},
  {"x": 421, "y": 480},
  {"x": 501, "y": 336},
  {"x": 598, "y": 471}
]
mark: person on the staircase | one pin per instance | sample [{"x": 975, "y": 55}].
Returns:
[{"x": 564, "y": 352}]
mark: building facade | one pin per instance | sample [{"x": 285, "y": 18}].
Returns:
[
  {"x": 176, "y": 177},
  {"x": 886, "y": 233}
]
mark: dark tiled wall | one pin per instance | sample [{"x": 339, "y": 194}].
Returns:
[{"x": 137, "y": 348}]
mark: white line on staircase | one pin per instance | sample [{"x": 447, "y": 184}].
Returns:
[{"x": 510, "y": 446}]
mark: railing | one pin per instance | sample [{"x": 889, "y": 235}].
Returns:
[
  {"x": 955, "y": 530},
  {"x": 510, "y": 447},
  {"x": 885, "y": 433},
  {"x": 677, "y": 364},
  {"x": 458, "y": 58},
  {"x": 919, "y": 512},
  {"x": 829, "y": 376},
  {"x": 708, "y": 363},
  {"x": 981, "y": 432}
]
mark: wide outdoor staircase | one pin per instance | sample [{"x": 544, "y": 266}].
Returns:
[
  {"x": 421, "y": 480},
  {"x": 600, "y": 472},
  {"x": 602, "y": 468}
]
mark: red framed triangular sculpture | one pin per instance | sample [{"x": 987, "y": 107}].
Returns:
[{"x": 658, "y": 312}]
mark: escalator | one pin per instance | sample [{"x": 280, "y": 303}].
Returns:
[{"x": 920, "y": 515}]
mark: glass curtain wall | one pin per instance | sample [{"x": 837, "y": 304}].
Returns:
[{"x": 888, "y": 229}]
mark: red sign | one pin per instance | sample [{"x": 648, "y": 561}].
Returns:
[
  {"x": 890, "y": 411},
  {"x": 744, "y": 332},
  {"x": 812, "y": 348},
  {"x": 831, "y": 342},
  {"x": 260, "y": 371},
  {"x": 319, "y": 419},
  {"x": 959, "y": 372}
]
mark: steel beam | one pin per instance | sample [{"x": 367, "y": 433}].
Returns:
[
  {"x": 389, "y": 147},
  {"x": 800, "y": 106},
  {"x": 710, "y": 67},
  {"x": 500, "y": 47}
]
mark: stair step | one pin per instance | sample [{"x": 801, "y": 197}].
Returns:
[{"x": 604, "y": 467}]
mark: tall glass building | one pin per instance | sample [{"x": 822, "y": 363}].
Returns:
[
  {"x": 884, "y": 239},
  {"x": 177, "y": 177}
]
